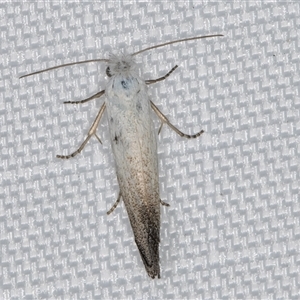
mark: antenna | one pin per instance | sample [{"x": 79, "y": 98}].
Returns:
[
  {"x": 177, "y": 41},
  {"x": 65, "y": 65}
]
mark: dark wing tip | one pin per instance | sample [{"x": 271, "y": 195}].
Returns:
[{"x": 151, "y": 264}]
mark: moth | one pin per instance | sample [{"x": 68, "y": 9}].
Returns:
[{"x": 134, "y": 144}]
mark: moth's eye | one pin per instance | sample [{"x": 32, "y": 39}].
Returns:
[{"x": 108, "y": 72}]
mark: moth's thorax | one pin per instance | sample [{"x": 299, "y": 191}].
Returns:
[
  {"x": 124, "y": 81},
  {"x": 123, "y": 64},
  {"x": 123, "y": 89}
]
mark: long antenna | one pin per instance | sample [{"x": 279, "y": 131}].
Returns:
[
  {"x": 106, "y": 60},
  {"x": 177, "y": 41},
  {"x": 65, "y": 65}
]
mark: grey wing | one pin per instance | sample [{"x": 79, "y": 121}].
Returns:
[{"x": 134, "y": 145}]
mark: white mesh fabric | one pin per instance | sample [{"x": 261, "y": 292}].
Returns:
[{"x": 232, "y": 230}]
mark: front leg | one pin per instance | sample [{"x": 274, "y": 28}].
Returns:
[
  {"x": 151, "y": 81},
  {"x": 97, "y": 95}
]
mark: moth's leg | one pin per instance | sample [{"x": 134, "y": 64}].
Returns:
[
  {"x": 164, "y": 119},
  {"x": 150, "y": 81},
  {"x": 164, "y": 203},
  {"x": 98, "y": 95},
  {"x": 91, "y": 132},
  {"x": 115, "y": 204}
]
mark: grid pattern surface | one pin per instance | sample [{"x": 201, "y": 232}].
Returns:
[{"x": 232, "y": 230}]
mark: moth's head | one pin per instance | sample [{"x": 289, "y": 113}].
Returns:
[{"x": 120, "y": 64}]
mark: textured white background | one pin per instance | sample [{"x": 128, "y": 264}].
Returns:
[{"x": 232, "y": 230}]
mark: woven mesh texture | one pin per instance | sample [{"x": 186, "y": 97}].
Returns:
[{"x": 232, "y": 230}]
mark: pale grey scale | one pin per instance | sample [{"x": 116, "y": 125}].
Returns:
[
  {"x": 136, "y": 162},
  {"x": 139, "y": 106}
]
